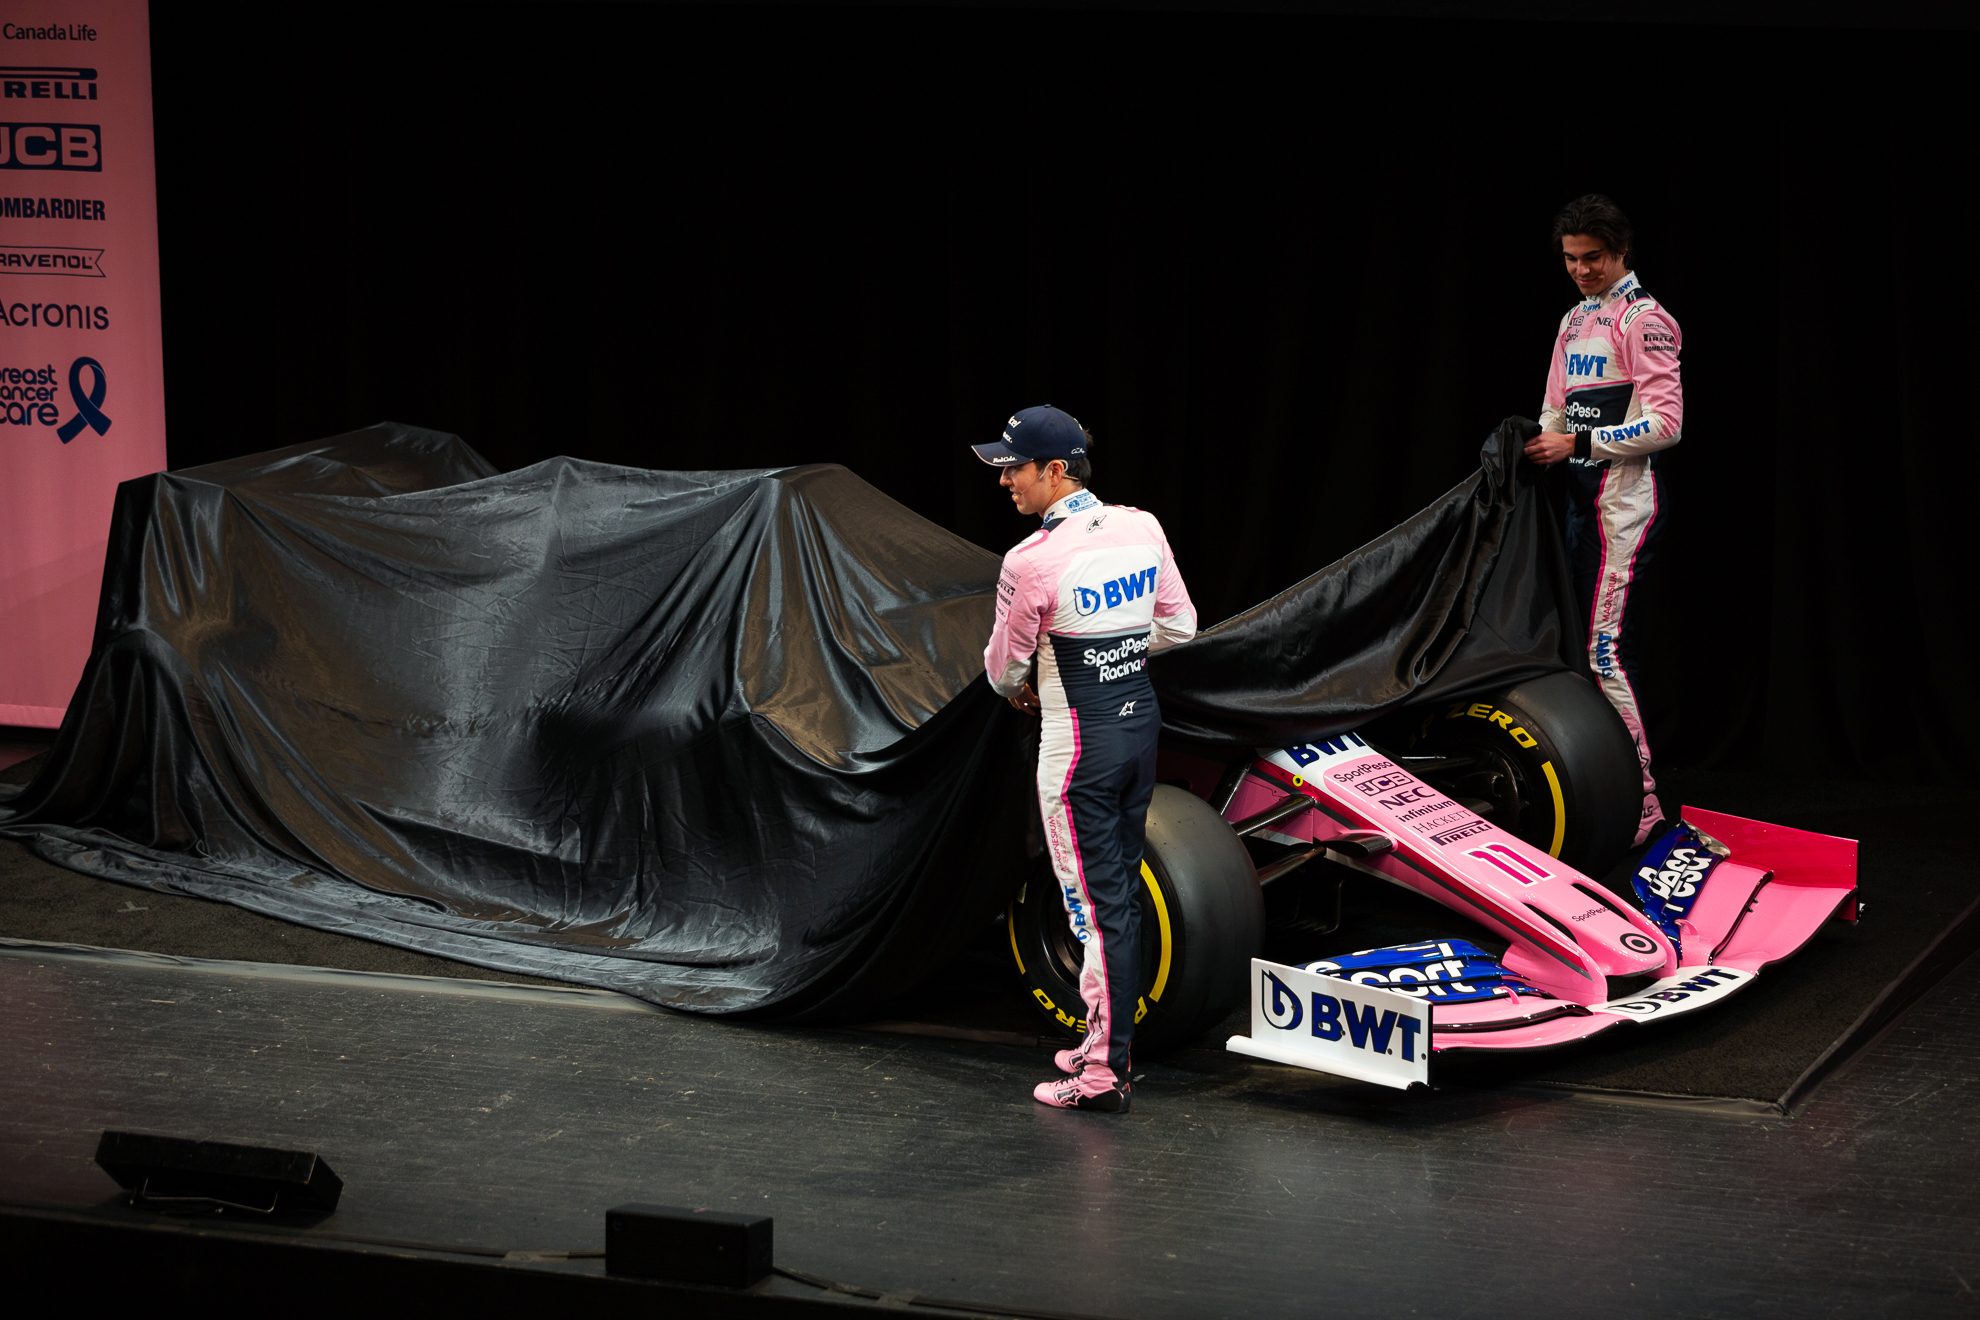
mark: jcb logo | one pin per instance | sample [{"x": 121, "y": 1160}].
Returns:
[
  {"x": 51, "y": 147},
  {"x": 1586, "y": 364}
]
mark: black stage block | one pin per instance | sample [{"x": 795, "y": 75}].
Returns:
[
  {"x": 258, "y": 1178},
  {"x": 687, "y": 1246}
]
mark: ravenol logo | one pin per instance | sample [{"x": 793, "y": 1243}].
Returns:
[
  {"x": 1117, "y": 592},
  {"x": 1586, "y": 364}
]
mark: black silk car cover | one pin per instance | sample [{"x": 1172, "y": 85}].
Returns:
[
  {"x": 720, "y": 740},
  {"x": 717, "y": 739},
  {"x": 1471, "y": 595}
]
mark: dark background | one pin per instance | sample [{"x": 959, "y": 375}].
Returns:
[{"x": 1290, "y": 268}]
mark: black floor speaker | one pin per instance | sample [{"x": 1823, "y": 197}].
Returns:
[
  {"x": 687, "y": 1246},
  {"x": 165, "y": 1172}
]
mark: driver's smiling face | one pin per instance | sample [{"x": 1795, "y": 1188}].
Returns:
[
  {"x": 1033, "y": 486},
  {"x": 1590, "y": 263}
]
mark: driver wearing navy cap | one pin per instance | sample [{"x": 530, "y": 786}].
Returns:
[{"x": 1081, "y": 603}]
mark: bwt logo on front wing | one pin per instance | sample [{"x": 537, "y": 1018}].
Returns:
[
  {"x": 51, "y": 147},
  {"x": 1331, "y": 1017},
  {"x": 1117, "y": 592}
]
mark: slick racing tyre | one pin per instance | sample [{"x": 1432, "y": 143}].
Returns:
[
  {"x": 1548, "y": 760},
  {"x": 1202, "y": 919}
]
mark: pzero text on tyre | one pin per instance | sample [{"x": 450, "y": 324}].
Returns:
[{"x": 1202, "y": 919}]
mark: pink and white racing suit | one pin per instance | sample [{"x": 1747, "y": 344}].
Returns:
[
  {"x": 1086, "y": 598},
  {"x": 1613, "y": 383}
]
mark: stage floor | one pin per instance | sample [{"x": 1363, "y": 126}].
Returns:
[{"x": 466, "y": 1112}]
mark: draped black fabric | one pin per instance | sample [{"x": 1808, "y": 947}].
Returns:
[
  {"x": 1470, "y": 594},
  {"x": 717, "y": 739}
]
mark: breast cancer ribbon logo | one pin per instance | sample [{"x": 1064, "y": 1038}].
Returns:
[{"x": 89, "y": 407}]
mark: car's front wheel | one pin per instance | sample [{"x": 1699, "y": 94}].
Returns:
[
  {"x": 1202, "y": 919},
  {"x": 1548, "y": 760}
]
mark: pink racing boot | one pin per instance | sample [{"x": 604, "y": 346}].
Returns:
[{"x": 1094, "y": 1088}]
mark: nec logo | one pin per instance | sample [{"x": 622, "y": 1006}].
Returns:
[
  {"x": 1586, "y": 364},
  {"x": 1407, "y": 796},
  {"x": 1118, "y": 592}
]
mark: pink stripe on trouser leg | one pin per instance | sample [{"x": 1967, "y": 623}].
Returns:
[
  {"x": 1095, "y": 779},
  {"x": 1625, "y": 508}
]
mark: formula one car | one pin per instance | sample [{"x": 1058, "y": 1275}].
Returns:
[
  {"x": 1485, "y": 807},
  {"x": 753, "y": 767}
]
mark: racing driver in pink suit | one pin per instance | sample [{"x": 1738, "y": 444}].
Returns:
[
  {"x": 1081, "y": 603},
  {"x": 1613, "y": 402}
]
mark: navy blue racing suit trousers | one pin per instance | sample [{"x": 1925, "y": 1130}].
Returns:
[{"x": 1096, "y": 774}]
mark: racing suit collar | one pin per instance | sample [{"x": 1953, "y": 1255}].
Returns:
[
  {"x": 1068, "y": 505},
  {"x": 1623, "y": 285}
]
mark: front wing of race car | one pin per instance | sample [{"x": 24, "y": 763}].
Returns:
[{"x": 1722, "y": 898}]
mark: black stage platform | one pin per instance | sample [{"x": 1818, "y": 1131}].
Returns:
[
  {"x": 1920, "y": 887},
  {"x": 478, "y": 1115},
  {"x": 906, "y": 1157}
]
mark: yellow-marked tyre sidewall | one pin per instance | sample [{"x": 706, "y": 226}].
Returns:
[
  {"x": 1202, "y": 918},
  {"x": 1573, "y": 753}
]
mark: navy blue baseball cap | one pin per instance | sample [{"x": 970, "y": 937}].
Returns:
[{"x": 1037, "y": 434}]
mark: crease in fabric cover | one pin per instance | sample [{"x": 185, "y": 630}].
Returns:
[{"x": 720, "y": 740}]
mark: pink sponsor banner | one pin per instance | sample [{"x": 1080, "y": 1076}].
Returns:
[{"x": 82, "y": 393}]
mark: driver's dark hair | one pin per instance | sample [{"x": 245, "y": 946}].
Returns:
[
  {"x": 1598, "y": 217},
  {"x": 1079, "y": 469}
]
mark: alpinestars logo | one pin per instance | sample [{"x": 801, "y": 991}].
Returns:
[{"x": 1126, "y": 710}]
